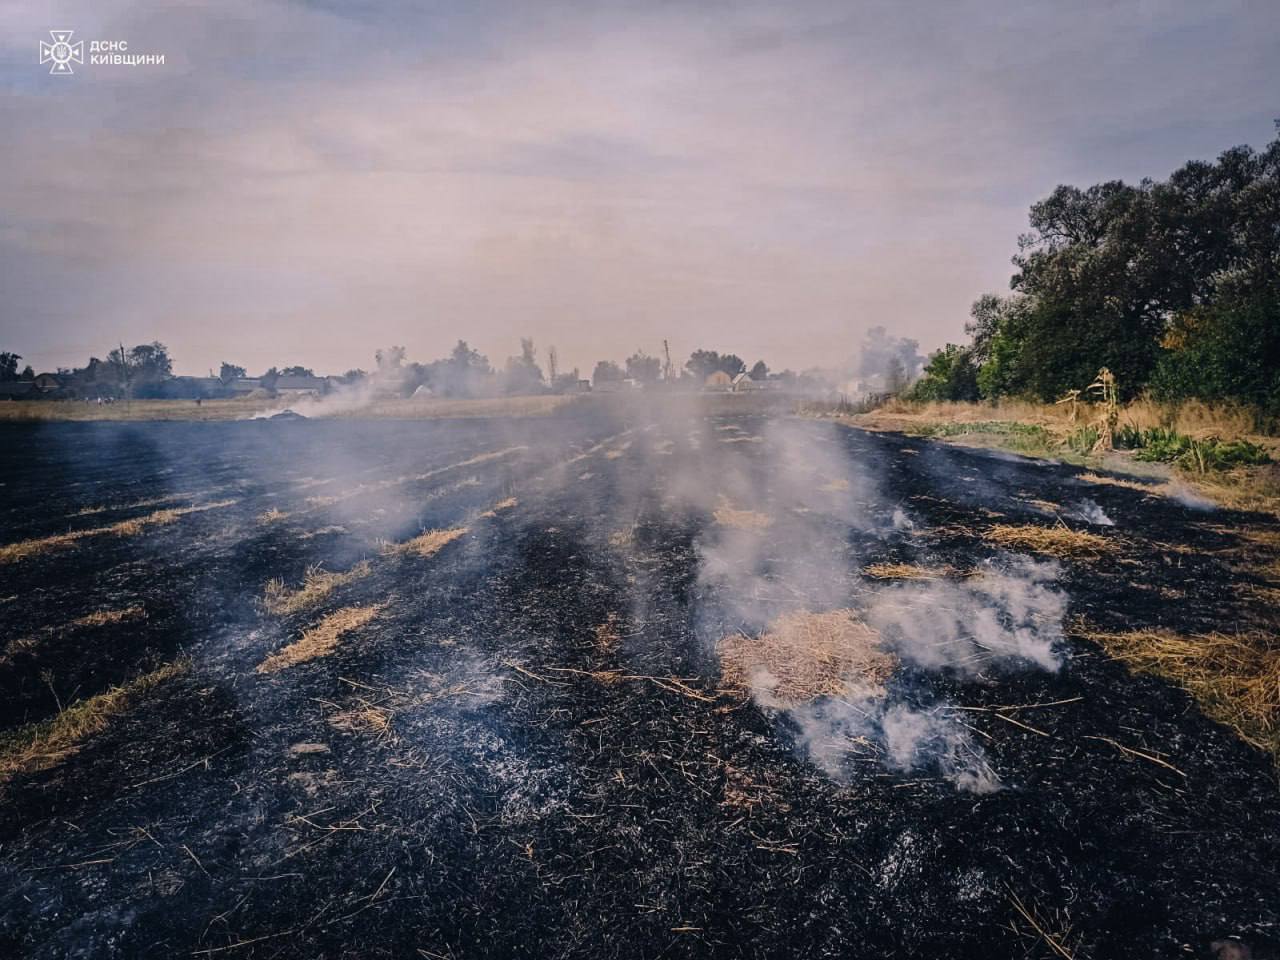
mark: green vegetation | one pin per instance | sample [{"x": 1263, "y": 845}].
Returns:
[
  {"x": 1154, "y": 445},
  {"x": 1163, "y": 445},
  {"x": 1026, "y": 438},
  {"x": 1172, "y": 285}
]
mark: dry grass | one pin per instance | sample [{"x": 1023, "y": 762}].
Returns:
[
  {"x": 100, "y": 618},
  {"x": 12, "y": 552},
  {"x": 803, "y": 656},
  {"x": 274, "y": 515},
  {"x": 607, "y": 637},
  {"x": 321, "y": 639},
  {"x": 236, "y": 409},
  {"x": 40, "y": 746},
  {"x": 906, "y": 571},
  {"x": 1120, "y": 482},
  {"x": 835, "y": 486},
  {"x": 245, "y": 408},
  {"x": 1235, "y": 677},
  {"x": 369, "y": 719},
  {"x": 1192, "y": 418},
  {"x": 317, "y": 584},
  {"x": 1244, "y": 488},
  {"x": 1053, "y": 541},
  {"x": 727, "y": 515},
  {"x": 508, "y": 504},
  {"x": 744, "y": 792},
  {"x": 426, "y": 544}
]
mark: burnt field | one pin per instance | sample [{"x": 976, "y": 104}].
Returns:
[{"x": 612, "y": 684}]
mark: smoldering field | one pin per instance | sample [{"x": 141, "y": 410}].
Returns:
[{"x": 620, "y": 681}]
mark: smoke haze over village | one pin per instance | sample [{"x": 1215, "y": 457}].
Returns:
[{"x": 302, "y": 182}]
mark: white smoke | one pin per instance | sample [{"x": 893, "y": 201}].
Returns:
[{"x": 1088, "y": 511}]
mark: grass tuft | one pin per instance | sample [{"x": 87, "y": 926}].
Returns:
[
  {"x": 40, "y": 746},
  {"x": 1234, "y": 677},
  {"x": 803, "y": 656},
  {"x": 316, "y": 585},
  {"x": 12, "y": 552},
  {"x": 426, "y": 544},
  {"x": 1053, "y": 541},
  {"x": 321, "y": 639},
  {"x": 509, "y": 503},
  {"x": 906, "y": 571}
]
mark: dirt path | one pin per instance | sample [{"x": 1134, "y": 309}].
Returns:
[{"x": 522, "y": 740}]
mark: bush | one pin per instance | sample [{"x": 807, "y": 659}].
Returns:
[
  {"x": 1162, "y": 445},
  {"x": 949, "y": 375}
]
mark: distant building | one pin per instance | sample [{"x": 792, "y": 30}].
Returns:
[
  {"x": 719, "y": 380},
  {"x": 298, "y": 386},
  {"x": 245, "y": 386},
  {"x": 743, "y": 384},
  {"x": 47, "y": 383}
]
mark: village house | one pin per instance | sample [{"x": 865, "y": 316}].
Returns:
[{"x": 295, "y": 386}]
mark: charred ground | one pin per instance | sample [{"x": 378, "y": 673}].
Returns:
[{"x": 528, "y": 751}]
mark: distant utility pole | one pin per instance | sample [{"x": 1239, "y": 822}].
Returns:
[
  {"x": 551, "y": 363},
  {"x": 125, "y": 378},
  {"x": 666, "y": 366}
]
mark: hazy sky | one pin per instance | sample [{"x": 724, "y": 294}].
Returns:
[{"x": 303, "y": 182}]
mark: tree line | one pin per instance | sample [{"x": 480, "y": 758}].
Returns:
[
  {"x": 146, "y": 371},
  {"x": 1173, "y": 285}
]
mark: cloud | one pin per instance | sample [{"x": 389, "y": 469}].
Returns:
[{"x": 753, "y": 177}]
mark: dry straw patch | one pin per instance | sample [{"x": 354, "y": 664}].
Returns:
[
  {"x": 274, "y": 515},
  {"x": 906, "y": 571},
  {"x": 13, "y": 552},
  {"x": 727, "y": 515},
  {"x": 40, "y": 746},
  {"x": 508, "y": 504},
  {"x": 321, "y": 639},
  {"x": 426, "y": 544},
  {"x": 803, "y": 656},
  {"x": 1103, "y": 479},
  {"x": 1055, "y": 541},
  {"x": 1235, "y": 677},
  {"x": 316, "y": 585},
  {"x": 100, "y": 618}
]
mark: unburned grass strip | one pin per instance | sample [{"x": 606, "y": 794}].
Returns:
[
  {"x": 316, "y": 585},
  {"x": 1059, "y": 541},
  {"x": 13, "y": 552},
  {"x": 426, "y": 544},
  {"x": 1234, "y": 677},
  {"x": 321, "y": 639},
  {"x": 39, "y": 746}
]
